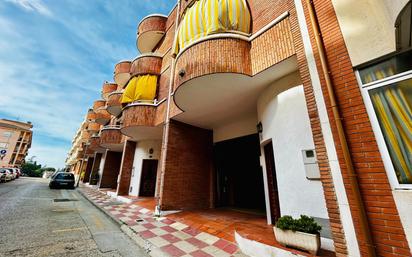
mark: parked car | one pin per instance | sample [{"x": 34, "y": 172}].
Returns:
[
  {"x": 13, "y": 173},
  {"x": 16, "y": 171},
  {"x": 62, "y": 180},
  {"x": 5, "y": 175}
]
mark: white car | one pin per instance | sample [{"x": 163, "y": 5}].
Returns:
[
  {"x": 5, "y": 175},
  {"x": 12, "y": 172}
]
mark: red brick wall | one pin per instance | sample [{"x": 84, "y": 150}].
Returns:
[
  {"x": 388, "y": 234},
  {"x": 88, "y": 170},
  {"x": 95, "y": 167},
  {"x": 110, "y": 170},
  {"x": 326, "y": 177},
  {"x": 126, "y": 168},
  {"x": 188, "y": 168}
]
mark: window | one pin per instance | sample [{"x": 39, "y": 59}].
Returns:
[
  {"x": 7, "y": 134},
  {"x": 387, "y": 90}
]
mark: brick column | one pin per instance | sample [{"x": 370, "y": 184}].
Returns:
[
  {"x": 88, "y": 171},
  {"x": 95, "y": 169},
  {"x": 126, "y": 168},
  {"x": 110, "y": 170},
  {"x": 188, "y": 168}
]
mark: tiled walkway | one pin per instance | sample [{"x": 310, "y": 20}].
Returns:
[{"x": 172, "y": 237}]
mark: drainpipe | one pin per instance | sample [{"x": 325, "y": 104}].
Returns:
[
  {"x": 167, "y": 121},
  {"x": 363, "y": 220}
]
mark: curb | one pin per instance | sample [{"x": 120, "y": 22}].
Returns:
[
  {"x": 118, "y": 222},
  {"x": 148, "y": 247}
]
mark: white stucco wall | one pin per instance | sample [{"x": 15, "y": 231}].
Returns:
[
  {"x": 285, "y": 121},
  {"x": 141, "y": 153},
  {"x": 242, "y": 126},
  {"x": 368, "y": 27},
  {"x": 101, "y": 166}
]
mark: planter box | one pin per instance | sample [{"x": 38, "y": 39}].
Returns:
[{"x": 296, "y": 239}]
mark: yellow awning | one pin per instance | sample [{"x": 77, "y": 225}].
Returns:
[
  {"x": 206, "y": 17},
  {"x": 140, "y": 88}
]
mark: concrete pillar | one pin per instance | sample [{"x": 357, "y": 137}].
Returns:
[
  {"x": 126, "y": 168},
  {"x": 111, "y": 170}
]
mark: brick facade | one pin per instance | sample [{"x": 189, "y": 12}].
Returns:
[
  {"x": 111, "y": 170},
  {"x": 88, "y": 170},
  {"x": 126, "y": 168},
  {"x": 188, "y": 168},
  {"x": 388, "y": 234}
]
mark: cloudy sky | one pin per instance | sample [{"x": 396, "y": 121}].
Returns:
[{"x": 54, "y": 57}]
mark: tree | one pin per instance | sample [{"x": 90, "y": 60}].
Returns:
[{"x": 32, "y": 169}]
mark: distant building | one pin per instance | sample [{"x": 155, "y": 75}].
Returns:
[{"x": 15, "y": 141}]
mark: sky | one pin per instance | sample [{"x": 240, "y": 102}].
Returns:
[{"x": 55, "y": 56}]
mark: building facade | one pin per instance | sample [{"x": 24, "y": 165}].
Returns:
[
  {"x": 283, "y": 107},
  {"x": 15, "y": 142}
]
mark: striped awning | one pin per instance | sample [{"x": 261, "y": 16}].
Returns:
[
  {"x": 206, "y": 17},
  {"x": 140, "y": 88}
]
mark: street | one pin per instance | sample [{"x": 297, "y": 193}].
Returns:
[{"x": 37, "y": 221}]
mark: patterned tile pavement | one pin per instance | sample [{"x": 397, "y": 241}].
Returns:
[{"x": 173, "y": 238}]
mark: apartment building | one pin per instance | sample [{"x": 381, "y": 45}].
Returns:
[
  {"x": 280, "y": 107},
  {"x": 15, "y": 142}
]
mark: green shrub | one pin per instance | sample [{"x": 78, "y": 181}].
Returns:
[{"x": 303, "y": 224}]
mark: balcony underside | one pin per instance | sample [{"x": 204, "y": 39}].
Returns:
[
  {"x": 102, "y": 116},
  {"x": 114, "y": 107},
  {"x": 210, "y": 100},
  {"x": 122, "y": 73},
  {"x": 148, "y": 40},
  {"x": 139, "y": 122}
]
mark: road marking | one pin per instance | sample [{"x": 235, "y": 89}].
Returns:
[{"x": 68, "y": 229}]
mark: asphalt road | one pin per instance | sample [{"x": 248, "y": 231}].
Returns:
[{"x": 32, "y": 223}]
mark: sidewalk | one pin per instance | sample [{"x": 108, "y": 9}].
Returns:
[{"x": 161, "y": 236}]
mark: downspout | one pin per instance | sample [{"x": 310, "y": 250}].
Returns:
[
  {"x": 167, "y": 120},
  {"x": 363, "y": 220}
]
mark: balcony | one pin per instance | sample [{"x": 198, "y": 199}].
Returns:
[
  {"x": 85, "y": 136},
  {"x": 114, "y": 106},
  {"x": 95, "y": 144},
  {"x": 146, "y": 64},
  {"x": 150, "y": 31},
  {"x": 91, "y": 115},
  {"x": 122, "y": 73},
  {"x": 102, "y": 116},
  {"x": 142, "y": 121},
  {"x": 93, "y": 127},
  {"x": 80, "y": 155},
  {"x": 107, "y": 88},
  {"x": 111, "y": 138}
]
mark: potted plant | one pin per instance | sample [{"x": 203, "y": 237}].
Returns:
[{"x": 302, "y": 233}]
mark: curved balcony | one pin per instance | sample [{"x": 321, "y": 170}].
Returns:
[
  {"x": 114, "y": 106},
  {"x": 95, "y": 144},
  {"x": 111, "y": 138},
  {"x": 102, "y": 116},
  {"x": 98, "y": 104},
  {"x": 146, "y": 64},
  {"x": 107, "y": 88},
  {"x": 122, "y": 73},
  {"x": 85, "y": 136},
  {"x": 93, "y": 127},
  {"x": 211, "y": 74},
  {"x": 91, "y": 116},
  {"x": 80, "y": 155},
  {"x": 150, "y": 31},
  {"x": 139, "y": 121}
]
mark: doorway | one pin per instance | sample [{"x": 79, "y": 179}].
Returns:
[
  {"x": 148, "y": 178},
  {"x": 272, "y": 182},
  {"x": 239, "y": 176}
]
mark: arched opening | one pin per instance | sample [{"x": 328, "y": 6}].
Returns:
[{"x": 403, "y": 27}]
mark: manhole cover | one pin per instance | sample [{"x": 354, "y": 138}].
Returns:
[{"x": 64, "y": 200}]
